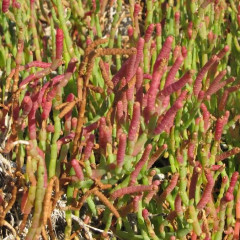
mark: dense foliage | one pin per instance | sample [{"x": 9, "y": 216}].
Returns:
[{"x": 120, "y": 118}]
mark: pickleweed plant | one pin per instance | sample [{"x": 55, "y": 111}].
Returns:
[{"x": 120, "y": 119}]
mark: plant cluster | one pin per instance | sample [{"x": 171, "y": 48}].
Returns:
[{"x": 127, "y": 121}]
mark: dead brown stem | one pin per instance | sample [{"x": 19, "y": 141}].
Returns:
[
  {"x": 115, "y": 51},
  {"x": 95, "y": 89},
  {"x": 6, "y": 224},
  {"x": 50, "y": 227},
  {"x": 67, "y": 108},
  {"x": 60, "y": 106},
  {"x": 48, "y": 196},
  {"x": 105, "y": 75},
  {"x": 83, "y": 81},
  {"x": 9, "y": 206},
  {"x": 23, "y": 223},
  {"x": 125, "y": 210},
  {"x": 44, "y": 234},
  {"x": 107, "y": 203}
]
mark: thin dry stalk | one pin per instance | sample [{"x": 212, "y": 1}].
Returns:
[
  {"x": 95, "y": 44},
  {"x": 48, "y": 196},
  {"x": 83, "y": 81},
  {"x": 50, "y": 228},
  {"x": 95, "y": 89},
  {"x": 23, "y": 223},
  {"x": 6, "y": 224},
  {"x": 67, "y": 108},
  {"x": 107, "y": 203},
  {"x": 56, "y": 198},
  {"x": 8, "y": 80},
  {"x": 80, "y": 122},
  {"x": 115, "y": 51},
  {"x": 83, "y": 225},
  {"x": 105, "y": 75},
  {"x": 83, "y": 199},
  {"x": 88, "y": 50},
  {"x": 125, "y": 210},
  {"x": 4, "y": 107},
  {"x": 102, "y": 186},
  {"x": 74, "y": 234},
  {"x": 44, "y": 234},
  {"x": 60, "y": 106},
  {"x": 9, "y": 206}
]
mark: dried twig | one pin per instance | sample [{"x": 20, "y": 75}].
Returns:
[{"x": 6, "y": 224}]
